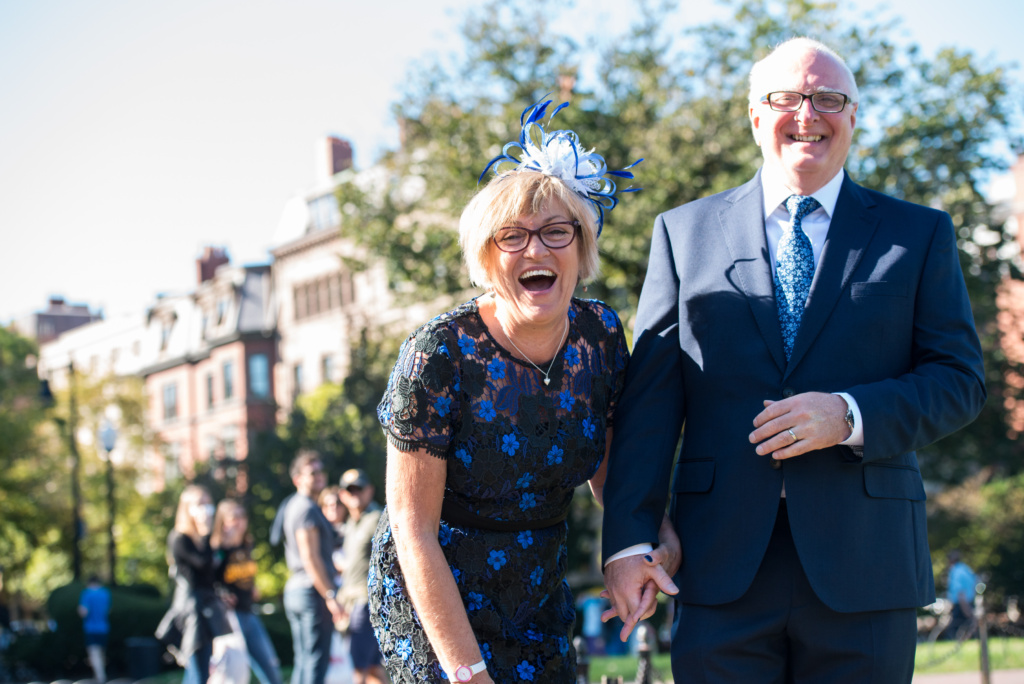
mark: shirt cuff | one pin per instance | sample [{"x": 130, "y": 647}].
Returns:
[
  {"x": 634, "y": 550},
  {"x": 857, "y": 437}
]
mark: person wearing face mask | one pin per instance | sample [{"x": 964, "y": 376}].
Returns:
[
  {"x": 494, "y": 414},
  {"x": 196, "y": 615}
]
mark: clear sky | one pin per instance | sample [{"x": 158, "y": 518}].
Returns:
[{"x": 134, "y": 133}]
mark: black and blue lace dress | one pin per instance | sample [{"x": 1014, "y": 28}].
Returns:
[{"x": 516, "y": 449}]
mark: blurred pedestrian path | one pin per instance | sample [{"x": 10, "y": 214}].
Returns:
[{"x": 998, "y": 677}]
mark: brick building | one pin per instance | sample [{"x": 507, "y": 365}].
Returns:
[
  {"x": 211, "y": 383},
  {"x": 58, "y": 317}
]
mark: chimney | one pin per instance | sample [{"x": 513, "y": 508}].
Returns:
[
  {"x": 334, "y": 155},
  {"x": 207, "y": 264}
]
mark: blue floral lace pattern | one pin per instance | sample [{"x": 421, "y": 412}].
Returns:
[{"x": 516, "y": 450}]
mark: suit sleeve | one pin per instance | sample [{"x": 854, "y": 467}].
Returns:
[
  {"x": 944, "y": 389},
  {"x": 650, "y": 412}
]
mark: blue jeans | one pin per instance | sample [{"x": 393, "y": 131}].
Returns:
[
  {"x": 312, "y": 629},
  {"x": 262, "y": 656},
  {"x": 197, "y": 670}
]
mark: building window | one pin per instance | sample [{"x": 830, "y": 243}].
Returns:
[
  {"x": 297, "y": 379},
  {"x": 327, "y": 367},
  {"x": 327, "y": 293},
  {"x": 165, "y": 335},
  {"x": 170, "y": 401},
  {"x": 172, "y": 462},
  {"x": 229, "y": 380},
  {"x": 209, "y": 390},
  {"x": 259, "y": 376},
  {"x": 222, "y": 310},
  {"x": 323, "y": 212},
  {"x": 299, "y": 296},
  {"x": 230, "y": 447}
]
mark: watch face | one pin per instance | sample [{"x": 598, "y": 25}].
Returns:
[{"x": 463, "y": 674}]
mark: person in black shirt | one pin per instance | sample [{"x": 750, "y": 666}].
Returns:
[
  {"x": 196, "y": 616},
  {"x": 236, "y": 580}
]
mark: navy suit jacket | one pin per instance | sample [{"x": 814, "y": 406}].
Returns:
[{"x": 888, "y": 320}]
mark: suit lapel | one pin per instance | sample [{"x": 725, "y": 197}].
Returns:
[
  {"x": 741, "y": 221},
  {"x": 851, "y": 230}
]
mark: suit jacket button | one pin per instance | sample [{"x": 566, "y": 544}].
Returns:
[
  {"x": 775, "y": 464},
  {"x": 788, "y": 392}
]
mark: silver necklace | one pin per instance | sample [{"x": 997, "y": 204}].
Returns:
[{"x": 547, "y": 380}]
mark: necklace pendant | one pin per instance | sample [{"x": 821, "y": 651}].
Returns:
[{"x": 547, "y": 381}]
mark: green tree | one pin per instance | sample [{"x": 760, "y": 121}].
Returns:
[
  {"x": 931, "y": 129},
  {"x": 35, "y": 520}
]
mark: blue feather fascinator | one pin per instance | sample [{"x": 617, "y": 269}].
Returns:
[{"x": 560, "y": 154}]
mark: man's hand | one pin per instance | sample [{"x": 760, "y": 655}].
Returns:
[
  {"x": 802, "y": 423},
  {"x": 632, "y": 585}
]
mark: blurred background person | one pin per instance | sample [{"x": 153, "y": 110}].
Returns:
[
  {"x": 196, "y": 615},
  {"x": 236, "y": 577},
  {"x": 94, "y": 607},
  {"x": 336, "y": 514},
  {"x": 356, "y": 494},
  {"x": 961, "y": 586},
  {"x": 310, "y": 595}
]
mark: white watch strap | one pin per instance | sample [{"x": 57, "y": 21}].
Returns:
[{"x": 473, "y": 670}]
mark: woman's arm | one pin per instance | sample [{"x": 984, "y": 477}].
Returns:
[
  {"x": 597, "y": 481},
  {"x": 415, "y": 490},
  {"x": 187, "y": 552}
]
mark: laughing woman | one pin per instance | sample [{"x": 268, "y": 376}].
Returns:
[{"x": 495, "y": 412}]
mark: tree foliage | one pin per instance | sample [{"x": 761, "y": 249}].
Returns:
[
  {"x": 931, "y": 129},
  {"x": 35, "y": 517}
]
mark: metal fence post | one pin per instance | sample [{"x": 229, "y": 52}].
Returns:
[
  {"x": 582, "y": 660},
  {"x": 979, "y": 615}
]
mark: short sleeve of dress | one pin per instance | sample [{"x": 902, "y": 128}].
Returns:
[
  {"x": 420, "y": 406},
  {"x": 618, "y": 358}
]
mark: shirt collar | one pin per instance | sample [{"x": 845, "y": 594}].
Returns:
[{"x": 775, "y": 192}]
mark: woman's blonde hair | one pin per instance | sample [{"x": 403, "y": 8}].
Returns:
[
  {"x": 514, "y": 194},
  {"x": 183, "y": 520}
]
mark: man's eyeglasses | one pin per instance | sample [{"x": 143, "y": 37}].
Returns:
[
  {"x": 553, "y": 236},
  {"x": 825, "y": 103},
  {"x": 353, "y": 489}
]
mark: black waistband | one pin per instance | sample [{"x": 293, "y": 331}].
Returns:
[{"x": 455, "y": 514}]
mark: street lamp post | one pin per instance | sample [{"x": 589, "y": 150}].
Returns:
[
  {"x": 76, "y": 487},
  {"x": 108, "y": 436}
]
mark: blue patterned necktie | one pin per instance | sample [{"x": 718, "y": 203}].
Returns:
[{"x": 794, "y": 270}]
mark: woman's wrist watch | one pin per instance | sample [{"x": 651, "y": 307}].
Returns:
[{"x": 463, "y": 673}]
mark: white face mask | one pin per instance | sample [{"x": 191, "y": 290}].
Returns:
[{"x": 202, "y": 511}]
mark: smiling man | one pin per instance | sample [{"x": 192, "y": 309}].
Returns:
[{"x": 810, "y": 335}]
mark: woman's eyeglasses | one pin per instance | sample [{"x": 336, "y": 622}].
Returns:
[{"x": 553, "y": 236}]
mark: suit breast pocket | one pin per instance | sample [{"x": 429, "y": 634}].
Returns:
[
  {"x": 879, "y": 288},
  {"x": 881, "y": 313}
]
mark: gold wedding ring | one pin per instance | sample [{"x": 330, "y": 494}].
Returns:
[{"x": 792, "y": 434}]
